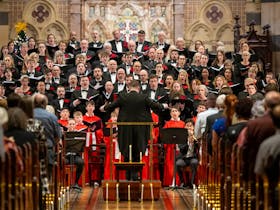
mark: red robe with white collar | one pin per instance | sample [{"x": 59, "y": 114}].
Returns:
[
  {"x": 169, "y": 154},
  {"x": 92, "y": 138}
]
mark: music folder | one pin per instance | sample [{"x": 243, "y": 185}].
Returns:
[
  {"x": 74, "y": 142},
  {"x": 174, "y": 135}
]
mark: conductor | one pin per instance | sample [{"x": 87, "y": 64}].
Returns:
[{"x": 134, "y": 107}]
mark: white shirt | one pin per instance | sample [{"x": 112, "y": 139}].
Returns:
[
  {"x": 84, "y": 94},
  {"x": 153, "y": 94},
  {"x": 113, "y": 77},
  {"x": 119, "y": 46},
  {"x": 139, "y": 47},
  {"x": 200, "y": 123},
  {"x": 120, "y": 87},
  {"x": 61, "y": 102}
]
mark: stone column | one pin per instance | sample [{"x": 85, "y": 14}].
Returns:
[
  {"x": 178, "y": 18},
  {"x": 76, "y": 17},
  {"x": 270, "y": 15}
]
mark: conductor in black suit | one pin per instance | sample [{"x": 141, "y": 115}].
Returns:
[{"x": 134, "y": 107}]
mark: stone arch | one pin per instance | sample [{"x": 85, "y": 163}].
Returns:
[
  {"x": 99, "y": 26},
  {"x": 213, "y": 16},
  {"x": 225, "y": 34},
  {"x": 32, "y": 31},
  {"x": 57, "y": 29},
  {"x": 199, "y": 31},
  {"x": 135, "y": 8},
  {"x": 40, "y": 17},
  {"x": 155, "y": 27}
]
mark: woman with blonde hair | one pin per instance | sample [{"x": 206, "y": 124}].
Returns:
[
  {"x": 10, "y": 63},
  {"x": 220, "y": 82},
  {"x": 183, "y": 79}
]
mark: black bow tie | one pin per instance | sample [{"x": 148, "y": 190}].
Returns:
[
  {"x": 144, "y": 84},
  {"x": 113, "y": 73},
  {"x": 153, "y": 90},
  {"x": 61, "y": 99},
  {"x": 84, "y": 90},
  {"x": 120, "y": 83}
]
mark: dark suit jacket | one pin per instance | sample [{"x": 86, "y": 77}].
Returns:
[
  {"x": 56, "y": 105},
  {"x": 82, "y": 106},
  {"x": 71, "y": 49},
  {"x": 208, "y": 129},
  {"x": 184, "y": 149},
  {"x": 134, "y": 107},
  {"x": 95, "y": 46},
  {"x": 257, "y": 131},
  {"x": 114, "y": 47},
  {"x": 165, "y": 48},
  {"x": 145, "y": 47}
]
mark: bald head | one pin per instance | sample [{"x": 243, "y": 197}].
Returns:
[
  {"x": 40, "y": 101},
  {"x": 275, "y": 115},
  {"x": 272, "y": 99}
]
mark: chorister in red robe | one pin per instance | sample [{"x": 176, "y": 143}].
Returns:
[
  {"x": 94, "y": 136},
  {"x": 146, "y": 168},
  {"x": 116, "y": 152},
  {"x": 175, "y": 122}
]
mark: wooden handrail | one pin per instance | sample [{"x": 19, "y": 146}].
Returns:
[{"x": 134, "y": 124}]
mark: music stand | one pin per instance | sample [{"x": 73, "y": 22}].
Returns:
[
  {"x": 74, "y": 143},
  {"x": 174, "y": 136}
]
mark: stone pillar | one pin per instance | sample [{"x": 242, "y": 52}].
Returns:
[
  {"x": 270, "y": 15},
  {"x": 76, "y": 17},
  {"x": 178, "y": 18}
]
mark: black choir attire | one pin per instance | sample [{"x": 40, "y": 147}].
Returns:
[
  {"x": 145, "y": 45},
  {"x": 98, "y": 63},
  {"x": 90, "y": 55},
  {"x": 165, "y": 46},
  {"x": 72, "y": 46},
  {"x": 174, "y": 69},
  {"x": 117, "y": 54},
  {"x": 110, "y": 76},
  {"x": 119, "y": 87},
  {"x": 51, "y": 50},
  {"x": 127, "y": 67},
  {"x": 98, "y": 84},
  {"x": 114, "y": 46},
  {"x": 59, "y": 81},
  {"x": 241, "y": 72},
  {"x": 103, "y": 98},
  {"x": 60, "y": 103},
  {"x": 90, "y": 93},
  {"x": 134, "y": 107},
  {"x": 149, "y": 65},
  {"x": 95, "y": 46},
  {"x": 19, "y": 62}
]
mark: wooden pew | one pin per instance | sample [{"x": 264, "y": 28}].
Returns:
[
  {"x": 35, "y": 175},
  {"x": 9, "y": 159},
  {"x": 2, "y": 183}
]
